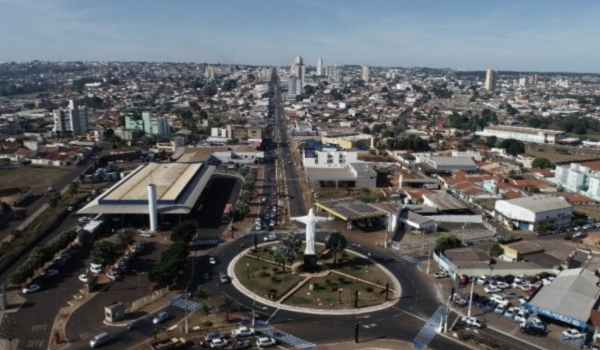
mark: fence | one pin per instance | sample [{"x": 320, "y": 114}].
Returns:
[{"x": 140, "y": 303}]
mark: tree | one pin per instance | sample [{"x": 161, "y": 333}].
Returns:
[
  {"x": 183, "y": 232},
  {"x": 291, "y": 240},
  {"x": 201, "y": 293},
  {"x": 366, "y": 130},
  {"x": 73, "y": 188},
  {"x": 336, "y": 243},
  {"x": 54, "y": 199},
  {"x": 228, "y": 305},
  {"x": 446, "y": 241},
  {"x": 242, "y": 209},
  {"x": 541, "y": 162},
  {"x": 491, "y": 141},
  {"x": 496, "y": 250},
  {"x": 513, "y": 147},
  {"x": 284, "y": 254},
  {"x": 125, "y": 238},
  {"x": 104, "y": 252}
]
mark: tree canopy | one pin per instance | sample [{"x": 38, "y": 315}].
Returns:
[
  {"x": 336, "y": 243},
  {"x": 541, "y": 162},
  {"x": 513, "y": 147}
]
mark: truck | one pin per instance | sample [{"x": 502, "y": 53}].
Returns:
[{"x": 168, "y": 344}]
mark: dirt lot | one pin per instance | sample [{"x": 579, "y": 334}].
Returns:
[
  {"x": 559, "y": 157},
  {"x": 36, "y": 177},
  {"x": 592, "y": 211}
]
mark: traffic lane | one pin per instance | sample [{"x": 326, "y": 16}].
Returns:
[
  {"x": 35, "y": 318},
  {"x": 122, "y": 338},
  {"x": 488, "y": 334}
]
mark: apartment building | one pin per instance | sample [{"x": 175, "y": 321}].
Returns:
[
  {"x": 70, "y": 120},
  {"x": 583, "y": 178},
  {"x": 150, "y": 124}
]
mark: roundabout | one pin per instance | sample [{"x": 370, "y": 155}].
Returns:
[{"x": 354, "y": 284}]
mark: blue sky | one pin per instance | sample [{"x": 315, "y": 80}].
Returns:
[{"x": 548, "y": 35}]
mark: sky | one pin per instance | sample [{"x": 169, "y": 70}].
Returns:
[{"x": 531, "y": 35}]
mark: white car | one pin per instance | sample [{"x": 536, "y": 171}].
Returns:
[
  {"x": 502, "y": 285},
  {"x": 482, "y": 280},
  {"x": 84, "y": 278},
  {"x": 242, "y": 332},
  {"x": 572, "y": 334},
  {"x": 472, "y": 321},
  {"x": 520, "y": 316},
  {"x": 258, "y": 227},
  {"x": 96, "y": 269},
  {"x": 546, "y": 281},
  {"x": 212, "y": 260},
  {"x": 441, "y": 274},
  {"x": 84, "y": 219},
  {"x": 263, "y": 199},
  {"x": 218, "y": 343},
  {"x": 32, "y": 288},
  {"x": 499, "y": 299},
  {"x": 492, "y": 289},
  {"x": 270, "y": 237},
  {"x": 262, "y": 342},
  {"x": 160, "y": 318}
]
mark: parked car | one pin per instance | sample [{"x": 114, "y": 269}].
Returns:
[
  {"x": 270, "y": 237},
  {"x": 242, "y": 332},
  {"x": 492, "y": 289},
  {"x": 95, "y": 269},
  {"x": 472, "y": 321},
  {"x": 212, "y": 335},
  {"x": 83, "y": 278},
  {"x": 441, "y": 274},
  {"x": 499, "y": 299},
  {"x": 262, "y": 342},
  {"x": 212, "y": 260},
  {"x": 538, "y": 332},
  {"x": 50, "y": 273},
  {"x": 160, "y": 318},
  {"x": 223, "y": 278},
  {"x": 511, "y": 312},
  {"x": 500, "y": 308},
  {"x": 32, "y": 288},
  {"x": 482, "y": 280},
  {"x": 219, "y": 343},
  {"x": 571, "y": 333},
  {"x": 520, "y": 316},
  {"x": 511, "y": 295},
  {"x": 99, "y": 340},
  {"x": 502, "y": 285}
]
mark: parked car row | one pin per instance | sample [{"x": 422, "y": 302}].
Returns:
[{"x": 218, "y": 340}]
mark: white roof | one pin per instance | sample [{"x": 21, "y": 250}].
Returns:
[{"x": 539, "y": 204}]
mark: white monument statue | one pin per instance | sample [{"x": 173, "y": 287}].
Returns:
[{"x": 310, "y": 220}]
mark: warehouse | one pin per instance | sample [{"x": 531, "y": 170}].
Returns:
[
  {"x": 449, "y": 164},
  {"x": 530, "y": 213},
  {"x": 523, "y": 134},
  {"x": 568, "y": 299},
  {"x": 178, "y": 188}
]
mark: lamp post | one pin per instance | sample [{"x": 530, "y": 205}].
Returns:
[
  {"x": 340, "y": 290},
  {"x": 248, "y": 270}
]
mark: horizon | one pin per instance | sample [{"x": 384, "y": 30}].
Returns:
[{"x": 535, "y": 36}]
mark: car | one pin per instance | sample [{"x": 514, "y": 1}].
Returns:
[
  {"x": 218, "y": 343},
  {"x": 520, "y": 316},
  {"x": 511, "y": 295},
  {"x": 502, "y": 285},
  {"x": 212, "y": 335},
  {"x": 472, "y": 321},
  {"x": 546, "y": 281},
  {"x": 258, "y": 227},
  {"x": 84, "y": 278},
  {"x": 50, "y": 273},
  {"x": 270, "y": 237},
  {"x": 518, "y": 279},
  {"x": 263, "y": 199},
  {"x": 95, "y": 269},
  {"x": 32, "y": 288},
  {"x": 522, "y": 301},
  {"x": 99, "y": 340},
  {"x": 482, "y": 280},
  {"x": 526, "y": 287},
  {"x": 441, "y": 274},
  {"x": 571, "y": 333},
  {"x": 223, "y": 278},
  {"x": 262, "y": 342},
  {"x": 160, "y": 317},
  {"x": 212, "y": 260},
  {"x": 499, "y": 299},
  {"x": 500, "y": 308},
  {"x": 243, "y": 332},
  {"x": 70, "y": 208},
  {"x": 491, "y": 289},
  {"x": 538, "y": 332},
  {"x": 511, "y": 312},
  {"x": 84, "y": 219},
  {"x": 146, "y": 234},
  {"x": 240, "y": 344},
  {"x": 113, "y": 274}
]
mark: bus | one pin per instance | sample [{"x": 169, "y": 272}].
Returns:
[{"x": 227, "y": 214}]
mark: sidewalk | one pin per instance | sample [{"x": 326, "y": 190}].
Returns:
[{"x": 369, "y": 345}]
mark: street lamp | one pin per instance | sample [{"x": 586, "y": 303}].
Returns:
[
  {"x": 340, "y": 290},
  {"x": 248, "y": 270}
]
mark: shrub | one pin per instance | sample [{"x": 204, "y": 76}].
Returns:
[
  {"x": 369, "y": 289},
  {"x": 207, "y": 324}
]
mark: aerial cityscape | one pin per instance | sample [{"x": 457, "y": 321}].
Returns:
[{"x": 299, "y": 175}]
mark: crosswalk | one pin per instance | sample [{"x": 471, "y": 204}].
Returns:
[
  {"x": 297, "y": 343},
  {"x": 429, "y": 330},
  {"x": 189, "y": 305},
  {"x": 409, "y": 258}
]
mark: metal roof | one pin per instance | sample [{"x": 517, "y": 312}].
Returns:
[
  {"x": 350, "y": 209},
  {"x": 540, "y": 203},
  {"x": 573, "y": 293},
  {"x": 443, "y": 201}
]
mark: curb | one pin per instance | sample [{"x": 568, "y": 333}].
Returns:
[{"x": 249, "y": 294}]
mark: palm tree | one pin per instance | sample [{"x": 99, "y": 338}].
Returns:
[
  {"x": 227, "y": 304},
  {"x": 335, "y": 242}
]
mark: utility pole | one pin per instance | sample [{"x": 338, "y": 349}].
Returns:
[
  {"x": 428, "y": 259},
  {"x": 471, "y": 297},
  {"x": 356, "y": 327},
  {"x": 254, "y": 309},
  {"x": 186, "y": 311}
]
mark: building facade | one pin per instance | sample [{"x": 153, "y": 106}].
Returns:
[
  {"x": 530, "y": 213},
  {"x": 328, "y": 159},
  {"x": 490, "y": 80},
  {"x": 70, "y": 120},
  {"x": 523, "y": 134},
  {"x": 578, "y": 178},
  {"x": 366, "y": 74},
  {"x": 319, "y": 66},
  {"x": 151, "y": 125}
]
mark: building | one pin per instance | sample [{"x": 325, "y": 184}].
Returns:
[
  {"x": 365, "y": 73},
  {"x": 333, "y": 73},
  {"x": 348, "y": 142},
  {"x": 352, "y": 175},
  {"x": 319, "y": 66},
  {"x": 209, "y": 73},
  {"x": 178, "y": 188},
  {"x": 490, "y": 80},
  {"x": 294, "y": 86},
  {"x": 248, "y": 132},
  {"x": 569, "y": 298},
  {"x": 583, "y": 179},
  {"x": 297, "y": 70},
  {"x": 535, "y": 212},
  {"x": 447, "y": 164},
  {"x": 71, "y": 120},
  {"x": 151, "y": 125},
  {"x": 444, "y": 202},
  {"x": 328, "y": 159},
  {"x": 523, "y": 134}
]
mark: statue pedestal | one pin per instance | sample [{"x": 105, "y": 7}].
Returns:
[{"x": 310, "y": 263}]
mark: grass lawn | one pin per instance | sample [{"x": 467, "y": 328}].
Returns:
[
  {"x": 554, "y": 156},
  {"x": 359, "y": 268},
  {"x": 36, "y": 177},
  {"x": 327, "y": 296},
  {"x": 264, "y": 252},
  {"x": 263, "y": 278}
]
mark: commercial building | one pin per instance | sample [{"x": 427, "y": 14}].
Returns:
[
  {"x": 354, "y": 212},
  {"x": 353, "y": 175},
  {"x": 444, "y": 202},
  {"x": 71, "y": 120},
  {"x": 348, "y": 142},
  {"x": 151, "y": 125},
  {"x": 209, "y": 73},
  {"x": 248, "y": 132},
  {"x": 294, "y": 86},
  {"x": 583, "y": 179},
  {"x": 328, "y": 159},
  {"x": 569, "y": 299},
  {"x": 178, "y": 187},
  {"x": 528, "y": 213},
  {"x": 447, "y": 164},
  {"x": 523, "y": 134},
  {"x": 490, "y": 80}
]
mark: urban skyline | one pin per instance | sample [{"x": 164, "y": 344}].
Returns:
[{"x": 534, "y": 36}]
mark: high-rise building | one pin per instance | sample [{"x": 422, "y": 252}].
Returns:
[
  {"x": 365, "y": 72},
  {"x": 158, "y": 126},
  {"x": 294, "y": 87},
  {"x": 490, "y": 80},
  {"x": 319, "y": 66},
  {"x": 72, "y": 120},
  {"x": 209, "y": 73}
]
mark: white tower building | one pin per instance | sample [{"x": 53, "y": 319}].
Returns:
[
  {"x": 365, "y": 72},
  {"x": 153, "y": 208},
  {"x": 490, "y": 80},
  {"x": 319, "y": 66}
]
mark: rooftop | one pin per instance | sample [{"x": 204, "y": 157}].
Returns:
[
  {"x": 350, "y": 209},
  {"x": 523, "y": 130},
  {"x": 540, "y": 203},
  {"x": 443, "y": 201}
]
